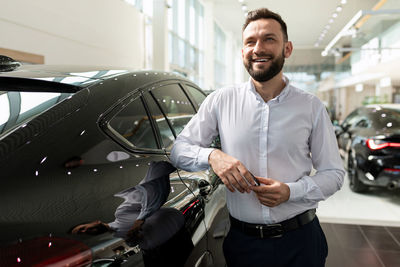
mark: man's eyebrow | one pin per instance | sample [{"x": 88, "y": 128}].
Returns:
[{"x": 270, "y": 34}]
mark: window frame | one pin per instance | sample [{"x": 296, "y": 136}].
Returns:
[
  {"x": 180, "y": 84},
  {"x": 114, "y": 135}
]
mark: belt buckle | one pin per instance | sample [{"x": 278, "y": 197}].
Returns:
[{"x": 276, "y": 229}]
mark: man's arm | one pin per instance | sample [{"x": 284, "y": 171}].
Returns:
[
  {"x": 326, "y": 160},
  {"x": 191, "y": 150}
]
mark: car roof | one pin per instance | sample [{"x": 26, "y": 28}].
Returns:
[
  {"x": 385, "y": 106},
  {"x": 76, "y": 76},
  {"x": 71, "y": 78}
]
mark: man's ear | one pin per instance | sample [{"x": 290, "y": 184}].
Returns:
[{"x": 288, "y": 49}]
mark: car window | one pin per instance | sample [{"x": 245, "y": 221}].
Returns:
[
  {"x": 19, "y": 107},
  {"x": 133, "y": 124},
  {"x": 196, "y": 95},
  {"x": 167, "y": 137},
  {"x": 363, "y": 122},
  {"x": 351, "y": 119},
  {"x": 175, "y": 105}
]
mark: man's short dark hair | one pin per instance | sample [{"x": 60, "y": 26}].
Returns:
[{"x": 265, "y": 13}]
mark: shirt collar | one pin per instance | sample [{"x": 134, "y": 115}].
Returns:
[{"x": 278, "y": 98}]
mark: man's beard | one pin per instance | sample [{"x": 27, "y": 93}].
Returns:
[{"x": 266, "y": 74}]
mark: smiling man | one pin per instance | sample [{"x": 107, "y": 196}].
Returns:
[{"x": 272, "y": 135}]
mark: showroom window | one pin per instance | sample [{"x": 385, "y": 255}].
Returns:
[
  {"x": 219, "y": 58},
  {"x": 186, "y": 38},
  {"x": 133, "y": 125}
]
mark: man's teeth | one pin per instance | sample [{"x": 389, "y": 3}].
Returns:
[{"x": 261, "y": 60}]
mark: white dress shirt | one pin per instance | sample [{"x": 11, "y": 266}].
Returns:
[{"x": 282, "y": 139}]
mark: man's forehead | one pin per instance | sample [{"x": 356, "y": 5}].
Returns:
[{"x": 266, "y": 26}]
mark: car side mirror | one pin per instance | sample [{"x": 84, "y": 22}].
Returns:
[{"x": 338, "y": 130}]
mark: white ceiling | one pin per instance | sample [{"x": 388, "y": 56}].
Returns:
[{"x": 305, "y": 19}]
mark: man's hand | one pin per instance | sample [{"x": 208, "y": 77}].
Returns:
[
  {"x": 231, "y": 171},
  {"x": 271, "y": 192}
]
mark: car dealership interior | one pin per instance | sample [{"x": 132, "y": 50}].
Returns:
[{"x": 346, "y": 52}]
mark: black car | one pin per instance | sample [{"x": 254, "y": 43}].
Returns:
[
  {"x": 85, "y": 173},
  {"x": 369, "y": 141}
]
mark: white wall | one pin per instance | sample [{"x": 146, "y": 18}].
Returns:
[{"x": 86, "y": 32}]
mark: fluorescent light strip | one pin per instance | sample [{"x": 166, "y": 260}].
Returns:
[{"x": 341, "y": 33}]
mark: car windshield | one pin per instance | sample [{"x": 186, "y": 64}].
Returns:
[
  {"x": 19, "y": 107},
  {"x": 386, "y": 118}
]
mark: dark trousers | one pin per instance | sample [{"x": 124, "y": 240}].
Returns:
[{"x": 303, "y": 247}]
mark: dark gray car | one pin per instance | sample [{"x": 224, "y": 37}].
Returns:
[{"x": 85, "y": 173}]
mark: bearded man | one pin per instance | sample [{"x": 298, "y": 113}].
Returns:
[{"x": 272, "y": 135}]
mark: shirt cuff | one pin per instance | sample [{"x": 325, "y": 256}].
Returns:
[
  {"x": 203, "y": 155},
  {"x": 296, "y": 191}
]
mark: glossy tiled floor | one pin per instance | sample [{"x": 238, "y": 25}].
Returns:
[
  {"x": 363, "y": 230},
  {"x": 362, "y": 245}
]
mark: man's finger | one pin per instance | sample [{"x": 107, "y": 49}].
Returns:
[
  {"x": 227, "y": 184},
  {"x": 247, "y": 175},
  {"x": 264, "y": 180},
  {"x": 235, "y": 183}
]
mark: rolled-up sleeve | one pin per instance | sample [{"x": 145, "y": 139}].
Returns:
[{"x": 191, "y": 148}]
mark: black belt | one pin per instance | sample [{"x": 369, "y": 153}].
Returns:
[{"x": 273, "y": 230}]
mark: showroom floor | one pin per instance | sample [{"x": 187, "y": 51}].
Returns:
[{"x": 362, "y": 229}]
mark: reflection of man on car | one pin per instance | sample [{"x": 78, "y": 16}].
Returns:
[{"x": 141, "y": 202}]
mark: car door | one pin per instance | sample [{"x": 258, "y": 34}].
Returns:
[
  {"x": 140, "y": 132},
  {"x": 216, "y": 213},
  {"x": 178, "y": 111}
]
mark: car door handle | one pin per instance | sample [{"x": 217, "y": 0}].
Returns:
[{"x": 205, "y": 187}]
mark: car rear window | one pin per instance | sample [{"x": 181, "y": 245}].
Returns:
[
  {"x": 19, "y": 107},
  {"x": 386, "y": 118}
]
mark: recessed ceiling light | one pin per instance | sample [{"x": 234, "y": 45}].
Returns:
[
  {"x": 343, "y": 2},
  {"x": 334, "y": 15},
  {"x": 244, "y": 7},
  {"x": 241, "y": 1},
  {"x": 339, "y": 8},
  {"x": 331, "y": 21}
]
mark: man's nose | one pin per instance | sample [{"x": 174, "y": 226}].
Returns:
[{"x": 257, "y": 47}]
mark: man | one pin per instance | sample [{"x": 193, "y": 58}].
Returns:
[{"x": 276, "y": 132}]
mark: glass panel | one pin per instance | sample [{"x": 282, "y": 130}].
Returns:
[
  {"x": 197, "y": 96},
  {"x": 167, "y": 137},
  {"x": 31, "y": 100},
  {"x": 133, "y": 124},
  {"x": 4, "y": 109},
  {"x": 175, "y": 105},
  {"x": 192, "y": 23},
  {"x": 148, "y": 8},
  {"x": 181, "y": 18},
  {"x": 170, "y": 15},
  {"x": 181, "y": 48}
]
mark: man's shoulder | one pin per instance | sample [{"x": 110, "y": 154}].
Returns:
[
  {"x": 303, "y": 94},
  {"x": 232, "y": 89}
]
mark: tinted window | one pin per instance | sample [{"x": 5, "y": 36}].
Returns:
[
  {"x": 197, "y": 96},
  {"x": 133, "y": 124},
  {"x": 351, "y": 118},
  {"x": 175, "y": 105},
  {"x": 17, "y": 108},
  {"x": 167, "y": 137}
]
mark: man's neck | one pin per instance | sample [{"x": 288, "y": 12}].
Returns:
[{"x": 270, "y": 89}]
